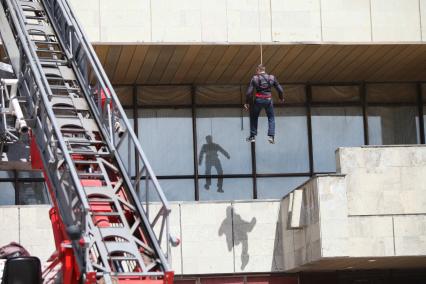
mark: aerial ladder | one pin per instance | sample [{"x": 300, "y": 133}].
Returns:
[{"x": 85, "y": 145}]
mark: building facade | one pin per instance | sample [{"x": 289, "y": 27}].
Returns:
[{"x": 353, "y": 74}]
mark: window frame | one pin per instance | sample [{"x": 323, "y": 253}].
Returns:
[{"x": 254, "y": 175}]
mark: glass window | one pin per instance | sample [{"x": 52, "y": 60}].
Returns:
[
  {"x": 30, "y": 174},
  {"x": 292, "y": 94},
  {"x": 424, "y": 120},
  {"x": 125, "y": 95},
  {"x": 231, "y": 189},
  {"x": 32, "y": 193},
  {"x": 217, "y": 94},
  {"x": 174, "y": 189},
  {"x": 127, "y": 150},
  {"x": 334, "y": 127},
  {"x": 423, "y": 88},
  {"x": 335, "y": 93},
  {"x": 222, "y": 148},
  {"x": 290, "y": 152},
  {"x": 277, "y": 188},
  {"x": 7, "y": 174},
  {"x": 7, "y": 193},
  {"x": 166, "y": 138},
  {"x": 164, "y": 95},
  {"x": 424, "y": 92},
  {"x": 392, "y": 125},
  {"x": 19, "y": 151},
  {"x": 392, "y": 93}
]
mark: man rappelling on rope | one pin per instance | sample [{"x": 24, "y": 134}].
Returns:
[{"x": 262, "y": 83}]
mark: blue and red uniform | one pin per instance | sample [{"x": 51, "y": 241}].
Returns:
[{"x": 263, "y": 84}]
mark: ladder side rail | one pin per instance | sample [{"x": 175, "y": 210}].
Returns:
[
  {"x": 71, "y": 199},
  {"x": 45, "y": 93},
  {"x": 9, "y": 41},
  {"x": 76, "y": 43},
  {"x": 81, "y": 40},
  {"x": 67, "y": 187}
]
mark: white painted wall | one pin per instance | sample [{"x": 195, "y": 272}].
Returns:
[{"x": 240, "y": 21}]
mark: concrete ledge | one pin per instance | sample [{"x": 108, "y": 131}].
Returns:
[
  {"x": 371, "y": 216},
  {"x": 384, "y": 180}
]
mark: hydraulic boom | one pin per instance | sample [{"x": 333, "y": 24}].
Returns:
[{"x": 82, "y": 137}]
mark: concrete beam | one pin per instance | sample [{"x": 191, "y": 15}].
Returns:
[{"x": 248, "y": 21}]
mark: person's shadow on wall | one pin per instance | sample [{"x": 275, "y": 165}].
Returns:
[
  {"x": 236, "y": 232},
  {"x": 211, "y": 151}
]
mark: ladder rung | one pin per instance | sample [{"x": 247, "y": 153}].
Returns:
[
  {"x": 48, "y": 62},
  {"x": 78, "y": 141},
  {"x": 49, "y": 50},
  {"x": 72, "y": 130},
  {"x": 72, "y": 116},
  {"x": 35, "y": 18},
  {"x": 38, "y": 33},
  {"x": 53, "y": 63},
  {"x": 64, "y": 108},
  {"x": 61, "y": 87},
  {"x": 122, "y": 258},
  {"x": 45, "y": 42},
  {"x": 90, "y": 175},
  {"x": 89, "y": 153},
  {"x": 82, "y": 162},
  {"x": 100, "y": 200},
  {"x": 100, "y": 213},
  {"x": 55, "y": 79}
]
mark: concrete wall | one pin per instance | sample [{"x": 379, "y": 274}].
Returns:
[
  {"x": 373, "y": 210},
  {"x": 205, "y": 21},
  {"x": 221, "y": 237},
  {"x": 384, "y": 180},
  {"x": 230, "y": 237},
  {"x": 30, "y": 226}
]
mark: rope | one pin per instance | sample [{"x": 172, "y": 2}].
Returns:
[{"x": 260, "y": 32}]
